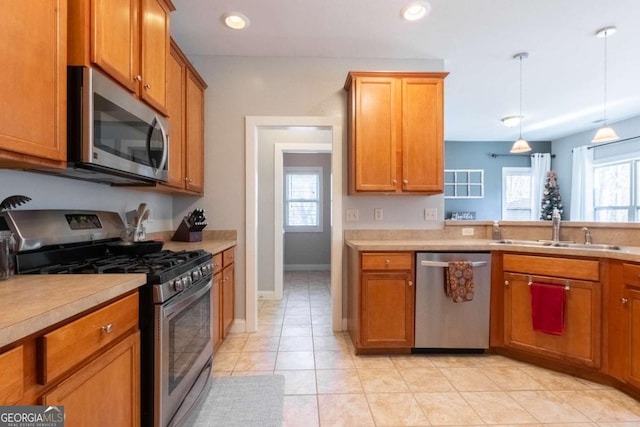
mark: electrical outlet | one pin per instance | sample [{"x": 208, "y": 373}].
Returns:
[
  {"x": 468, "y": 231},
  {"x": 353, "y": 215},
  {"x": 430, "y": 214},
  {"x": 377, "y": 214}
]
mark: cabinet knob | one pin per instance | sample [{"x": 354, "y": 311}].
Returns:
[
  {"x": 138, "y": 78},
  {"x": 394, "y": 181},
  {"x": 406, "y": 181},
  {"x": 107, "y": 329},
  {"x": 410, "y": 283},
  {"x": 506, "y": 283},
  {"x": 147, "y": 86},
  {"x": 387, "y": 261},
  {"x": 187, "y": 179},
  {"x": 624, "y": 300}
]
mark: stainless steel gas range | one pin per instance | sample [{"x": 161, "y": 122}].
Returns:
[{"x": 175, "y": 302}]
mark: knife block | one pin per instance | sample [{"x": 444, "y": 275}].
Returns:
[{"x": 183, "y": 234}]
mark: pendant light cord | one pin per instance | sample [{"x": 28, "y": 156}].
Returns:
[
  {"x": 605, "y": 78},
  {"x": 520, "y": 113}
]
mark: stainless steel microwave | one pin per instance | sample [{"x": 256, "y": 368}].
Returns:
[{"x": 112, "y": 136}]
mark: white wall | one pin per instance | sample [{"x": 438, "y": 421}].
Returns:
[
  {"x": 242, "y": 86},
  {"x": 52, "y": 192}
]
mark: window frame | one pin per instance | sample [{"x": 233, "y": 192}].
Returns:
[
  {"x": 303, "y": 170},
  {"x": 513, "y": 170},
  {"x": 633, "y": 159}
]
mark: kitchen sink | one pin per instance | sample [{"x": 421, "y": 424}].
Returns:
[{"x": 560, "y": 244}]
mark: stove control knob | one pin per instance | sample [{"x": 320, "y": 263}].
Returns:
[
  {"x": 186, "y": 281},
  {"x": 195, "y": 275},
  {"x": 177, "y": 285}
]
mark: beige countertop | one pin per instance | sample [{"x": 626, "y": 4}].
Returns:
[
  {"x": 31, "y": 303},
  {"x": 626, "y": 253}
]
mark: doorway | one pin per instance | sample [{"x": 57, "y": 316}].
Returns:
[{"x": 255, "y": 127}]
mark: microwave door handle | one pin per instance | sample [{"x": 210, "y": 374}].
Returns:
[{"x": 165, "y": 143}]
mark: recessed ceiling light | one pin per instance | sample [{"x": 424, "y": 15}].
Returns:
[
  {"x": 235, "y": 20},
  {"x": 416, "y": 10},
  {"x": 511, "y": 121}
]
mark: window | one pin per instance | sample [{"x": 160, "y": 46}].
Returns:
[
  {"x": 463, "y": 183},
  {"x": 616, "y": 188},
  {"x": 516, "y": 194},
  {"x": 303, "y": 199}
]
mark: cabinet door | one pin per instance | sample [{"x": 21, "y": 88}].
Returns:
[
  {"x": 11, "y": 376},
  {"x": 194, "y": 133},
  {"x": 115, "y": 40},
  {"x": 422, "y": 135},
  {"x": 176, "y": 78},
  {"x": 387, "y": 310},
  {"x": 632, "y": 304},
  {"x": 33, "y": 59},
  {"x": 580, "y": 341},
  {"x": 376, "y": 124},
  {"x": 104, "y": 393},
  {"x": 216, "y": 311},
  {"x": 228, "y": 299},
  {"x": 155, "y": 35}
]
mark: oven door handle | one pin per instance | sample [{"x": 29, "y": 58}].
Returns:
[{"x": 182, "y": 301}]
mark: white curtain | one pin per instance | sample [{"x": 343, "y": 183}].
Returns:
[
  {"x": 540, "y": 165},
  {"x": 582, "y": 184}
]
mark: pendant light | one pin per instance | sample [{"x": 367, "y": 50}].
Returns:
[
  {"x": 606, "y": 132},
  {"x": 521, "y": 145}
]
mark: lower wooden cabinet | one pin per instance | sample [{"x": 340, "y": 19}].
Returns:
[
  {"x": 106, "y": 392},
  {"x": 631, "y": 302},
  {"x": 580, "y": 340},
  {"x": 382, "y": 311},
  {"x": 228, "y": 290},
  {"x": 11, "y": 376}
]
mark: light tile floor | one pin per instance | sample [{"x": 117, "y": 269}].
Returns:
[{"x": 327, "y": 385}]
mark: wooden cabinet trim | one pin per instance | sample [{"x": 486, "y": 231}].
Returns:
[{"x": 387, "y": 261}]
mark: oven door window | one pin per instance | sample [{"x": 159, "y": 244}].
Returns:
[{"x": 189, "y": 334}]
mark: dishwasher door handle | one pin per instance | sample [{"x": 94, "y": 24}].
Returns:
[{"x": 446, "y": 264}]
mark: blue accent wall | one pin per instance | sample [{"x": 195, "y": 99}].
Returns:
[{"x": 477, "y": 155}]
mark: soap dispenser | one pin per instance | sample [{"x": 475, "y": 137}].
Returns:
[{"x": 496, "y": 233}]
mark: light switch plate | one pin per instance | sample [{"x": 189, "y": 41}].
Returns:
[
  {"x": 377, "y": 214},
  {"x": 353, "y": 215},
  {"x": 468, "y": 231}
]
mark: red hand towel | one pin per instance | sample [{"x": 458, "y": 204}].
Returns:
[{"x": 547, "y": 308}]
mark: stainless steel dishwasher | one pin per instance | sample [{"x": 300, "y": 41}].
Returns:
[{"x": 441, "y": 323}]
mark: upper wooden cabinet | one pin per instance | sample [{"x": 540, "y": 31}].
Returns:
[
  {"x": 396, "y": 132},
  {"x": 33, "y": 58},
  {"x": 128, "y": 39},
  {"x": 186, "y": 134}
]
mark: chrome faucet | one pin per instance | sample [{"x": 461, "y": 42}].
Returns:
[
  {"x": 587, "y": 236},
  {"x": 555, "y": 223}
]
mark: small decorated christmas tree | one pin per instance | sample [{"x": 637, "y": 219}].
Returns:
[{"x": 550, "y": 197}]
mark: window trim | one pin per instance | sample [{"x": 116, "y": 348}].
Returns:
[
  {"x": 633, "y": 160},
  {"x": 303, "y": 170},
  {"x": 512, "y": 170}
]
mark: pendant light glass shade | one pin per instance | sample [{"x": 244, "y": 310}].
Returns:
[
  {"x": 606, "y": 132},
  {"x": 521, "y": 145}
]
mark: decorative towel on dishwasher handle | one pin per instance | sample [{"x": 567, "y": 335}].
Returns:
[
  {"x": 459, "y": 281},
  {"x": 548, "y": 307}
]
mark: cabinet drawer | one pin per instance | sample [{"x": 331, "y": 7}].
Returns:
[
  {"x": 569, "y": 268},
  {"x": 69, "y": 345},
  {"x": 228, "y": 256},
  {"x": 387, "y": 261},
  {"x": 631, "y": 274},
  {"x": 217, "y": 263},
  {"x": 11, "y": 376}
]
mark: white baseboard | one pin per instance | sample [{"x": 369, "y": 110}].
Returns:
[
  {"x": 307, "y": 267},
  {"x": 267, "y": 296}
]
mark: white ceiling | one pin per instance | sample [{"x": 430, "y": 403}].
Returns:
[{"x": 562, "y": 78}]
